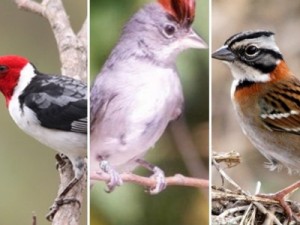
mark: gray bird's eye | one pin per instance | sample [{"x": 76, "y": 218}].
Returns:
[
  {"x": 251, "y": 50},
  {"x": 169, "y": 30}
]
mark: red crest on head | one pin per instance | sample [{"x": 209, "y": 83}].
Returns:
[{"x": 183, "y": 11}]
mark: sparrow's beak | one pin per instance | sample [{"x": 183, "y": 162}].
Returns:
[
  {"x": 193, "y": 40},
  {"x": 224, "y": 54}
]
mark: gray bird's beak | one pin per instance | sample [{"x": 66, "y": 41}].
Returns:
[
  {"x": 224, "y": 54},
  {"x": 193, "y": 40}
]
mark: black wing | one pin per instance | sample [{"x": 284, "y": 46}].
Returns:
[{"x": 59, "y": 102}]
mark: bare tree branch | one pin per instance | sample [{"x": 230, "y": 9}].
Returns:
[
  {"x": 72, "y": 50},
  {"x": 176, "y": 180},
  {"x": 82, "y": 34},
  {"x": 73, "y": 56},
  {"x": 30, "y": 6},
  {"x": 67, "y": 213}
]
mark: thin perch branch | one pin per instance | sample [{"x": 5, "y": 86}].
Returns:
[{"x": 176, "y": 180}]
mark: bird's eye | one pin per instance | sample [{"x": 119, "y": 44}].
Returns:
[
  {"x": 169, "y": 30},
  {"x": 251, "y": 50},
  {"x": 3, "y": 69}
]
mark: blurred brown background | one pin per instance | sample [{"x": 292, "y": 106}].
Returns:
[
  {"x": 129, "y": 204},
  {"x": 228, "y": 18},
  {"x": 29, "y": 180}
]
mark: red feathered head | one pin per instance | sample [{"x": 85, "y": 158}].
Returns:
[{"x": 183, "y": 11}]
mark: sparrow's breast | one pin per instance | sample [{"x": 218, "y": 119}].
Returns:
[{"x": 272, "y": 144}]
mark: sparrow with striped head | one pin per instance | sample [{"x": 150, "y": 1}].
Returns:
[
  {"x": 138, "y": 91},
  {"x": 266, "y": 99}
]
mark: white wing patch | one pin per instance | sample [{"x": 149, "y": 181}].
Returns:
[{"x": 279, "y": 115}]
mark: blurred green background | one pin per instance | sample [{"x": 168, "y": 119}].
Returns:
[
  {"x": 129, "y": 204},
  {"x": 228, "y": 18},
  {"x": 29, "y": 180}
]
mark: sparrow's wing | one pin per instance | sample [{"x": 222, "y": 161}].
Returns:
[
  {"x": 59, "y": 102},
  {"x": 280, "y": 107}
]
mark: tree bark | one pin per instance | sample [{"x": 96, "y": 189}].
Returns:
[{"x": 73, "y": 56}]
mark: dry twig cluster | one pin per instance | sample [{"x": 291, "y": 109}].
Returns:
[{"x": 239, "y": 207}]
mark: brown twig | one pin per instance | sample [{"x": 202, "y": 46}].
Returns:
[
  {"x": 226, "y": 177},
  {"x": 231, "y": 159},
  {"x": 228, "y": 206},
  {"x": 176, "y": 180}
]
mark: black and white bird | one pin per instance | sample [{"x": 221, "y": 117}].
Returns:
[
  {"x": 138, "y": 91},
  {"x": 51, "y": 109}
]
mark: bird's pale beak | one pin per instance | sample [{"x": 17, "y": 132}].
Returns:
[
  {"x": 193, "y": 40},
  {"x": 224, "y": 54}
]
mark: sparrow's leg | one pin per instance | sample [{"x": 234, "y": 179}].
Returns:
[
  {"x": 280, "y": 197},
  {"x": 79, "y": 169},
  {"x": 158, "y": 175},
  {"x": 115, "y": 178}
]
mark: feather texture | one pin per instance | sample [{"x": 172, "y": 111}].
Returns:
[
  {"x": 280, "y": 106},
  {"x": 183, "y": 11}
]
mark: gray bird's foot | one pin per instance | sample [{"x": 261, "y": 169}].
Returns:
[
  {"x": 79, "y": 169},
  {"x": 115, "y": 178},
  {"x": 160, "y": 178},
  {"x": 58, "y": 202},
  {"x": 61, "y": 160},
  {"x": 158, "y": 175}
]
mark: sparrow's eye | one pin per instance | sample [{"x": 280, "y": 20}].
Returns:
[
  {"x": 169, "y": 30},
  {"x": 251, "y": 50},
  {"x": 3, "y": 69}
]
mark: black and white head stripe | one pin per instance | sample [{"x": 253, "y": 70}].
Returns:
[
  {"x": 256, "y": 49},
  {"x": 247, "y": 35}
]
